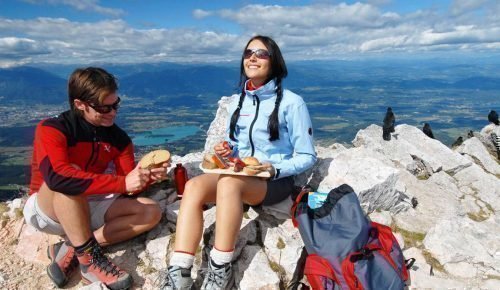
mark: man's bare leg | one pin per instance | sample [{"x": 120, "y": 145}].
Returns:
[
  {"x": 71, "y": 211},
  {"x": 127, "y": 218}
]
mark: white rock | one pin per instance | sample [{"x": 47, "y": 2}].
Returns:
[
  {"x": 282, "y": 243},
  {"x": 462, "y": 240},
  {"x": 408, "y": 141},
  {"x": 436, "y": 201},
  {"x": 478, "y": 153},
  {"x": 383, "y": 217},
  {"x": 15, "y": 206},
  {"x": 461, "y": 269},
  {"x": 95, "y": 286},
  {"x": 420, "y": 274},
  {"x": 253, "y": 271},
  {"x": 217, "y": 129},
  {"x": 400, "y": 239},
  {"x": 372, "y": 179},
  {"x": 486, "y": 187}
]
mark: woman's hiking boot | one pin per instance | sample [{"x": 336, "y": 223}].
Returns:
[
  {"x": 218, "y": 277},
  {"x": 95, "y": 266},
  {"x": 62, "y": 263},
  {"x": 176, "y": 278}
]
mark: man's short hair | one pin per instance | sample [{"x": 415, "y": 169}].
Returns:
[{"x": 91, "y": 85}]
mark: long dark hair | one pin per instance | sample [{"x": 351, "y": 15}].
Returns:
[{"x": 278, "y": 73}]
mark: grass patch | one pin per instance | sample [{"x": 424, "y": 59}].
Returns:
[
  {"x": 423, "y": 177},
  {"x": 488, "y": 206},
  {"x": 150, "y": 270},
  {"x": 478, "y": 216},
  {"x": 496, "y": 277},
  {"x": 411, "y": 239},
  {"x": 280, "y": 244},
  {"x": 429, "y": 259},
  {"x": 277, "y": 268},
  {"x": 9, "y": 187},
  {"x": 147, "y": 269},
  {"x": 3, "y": 208},
  {"x": 19, "y": 213},
  {"x": 450, "y": 172}
]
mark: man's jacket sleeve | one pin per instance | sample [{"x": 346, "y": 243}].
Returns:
[{"x": 61, "y": 176}]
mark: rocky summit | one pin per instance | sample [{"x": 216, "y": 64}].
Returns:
[{"x": 443, "y": 205}]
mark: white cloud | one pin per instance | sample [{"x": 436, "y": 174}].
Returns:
[
  {"x": 466, "y": 6},
  {"x": 303, "y": 32},
  {"x": 64, "y": 41},
  {"x": 361, "y": 28},
  {"x": 82, "y": 5},
  {"x": 200, "y": 13},
  {"x": 14, "y": 50}
]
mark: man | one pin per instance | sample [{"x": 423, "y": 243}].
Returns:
[{"x": 82, "y": 164}]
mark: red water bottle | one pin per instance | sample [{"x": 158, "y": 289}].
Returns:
[{"x": 181, "y": 177}]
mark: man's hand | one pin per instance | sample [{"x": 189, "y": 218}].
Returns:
[
  {"x": 223, "y": 149},
  {"x": 137, "y": 179},
  {"x": 159, "y": 174}
]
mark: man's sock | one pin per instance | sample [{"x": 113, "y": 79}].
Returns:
[
  {"x": 182, "y": 259},
  {"x": 220, "y": 258},
  {"x": 89, "y": 244}
]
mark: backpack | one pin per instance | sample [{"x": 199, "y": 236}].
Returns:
[{"x": 344, "y": 249}]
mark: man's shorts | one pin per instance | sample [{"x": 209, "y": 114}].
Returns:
[{"x": 98, "y": 204}]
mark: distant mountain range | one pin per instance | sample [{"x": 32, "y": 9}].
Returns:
[{"x": 47, "y": 83}]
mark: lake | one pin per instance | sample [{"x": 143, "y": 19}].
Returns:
[{"x": 164, "y": 135}]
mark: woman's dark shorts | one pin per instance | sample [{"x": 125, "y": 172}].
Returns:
[{"x": 278, "y": 190}]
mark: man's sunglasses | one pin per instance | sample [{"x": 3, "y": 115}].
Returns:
[
  {"x": 259, "y": 53},
  {"x": 104, "y": 109}
]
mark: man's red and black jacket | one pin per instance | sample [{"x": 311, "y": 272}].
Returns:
[{"x": 68, "y": 140}]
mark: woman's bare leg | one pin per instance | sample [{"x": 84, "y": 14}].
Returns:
[
  {"x": 199, "y": 191},
  {"x": 232, "y": 191}
]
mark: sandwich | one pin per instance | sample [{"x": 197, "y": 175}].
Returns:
[
  {"x": 253, "y": 166},
  {"x": 154, "y": 159},
  {"x": 208, "y": 162}
]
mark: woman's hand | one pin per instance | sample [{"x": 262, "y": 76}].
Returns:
[
  {"x": 223, "y": 149},
  {"x": 269, "y": 168}
]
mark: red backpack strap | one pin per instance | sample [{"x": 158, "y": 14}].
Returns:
[
  {"x": 317, "y": 267},
  {"x": 305, "y": 190}
]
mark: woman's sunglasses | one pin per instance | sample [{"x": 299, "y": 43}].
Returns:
[
  {"x": 104, "y": 109},
  {"x": 259, "y": 53}
]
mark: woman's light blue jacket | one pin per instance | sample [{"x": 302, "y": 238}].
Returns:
[{"x": 293, "y": 152}]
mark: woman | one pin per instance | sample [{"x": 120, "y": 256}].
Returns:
[{"x": 269, "y": 123}]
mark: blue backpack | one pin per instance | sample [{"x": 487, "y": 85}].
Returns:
[{"x": 344, "y": 249}]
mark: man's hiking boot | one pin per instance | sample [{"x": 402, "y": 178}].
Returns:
[
  {"x": 62, "y": 263},
  {"x": 95, "y": 266},
  {"x": 218, "y": 278},
  {"x": 176, "y": 278}
]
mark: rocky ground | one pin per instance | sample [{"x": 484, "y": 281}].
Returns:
[
  {"x": 15, "y": 272},
  {"x": 452, "y": 232}
]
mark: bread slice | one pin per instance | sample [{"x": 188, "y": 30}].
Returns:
[
  {"x": 208, "y": 162},
  {"x": 154, "y": 159}
]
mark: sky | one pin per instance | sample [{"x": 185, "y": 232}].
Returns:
[{"x": 149, "y": 31}]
